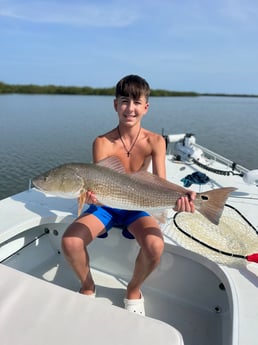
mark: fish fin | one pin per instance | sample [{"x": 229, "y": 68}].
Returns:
[
  {"x": 113, "y": 163},
  {"x": 81, "y": 201},
  {"x": 213, "y": 203},
  {"x": 148, "y": 178}
]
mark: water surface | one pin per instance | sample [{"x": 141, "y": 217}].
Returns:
[{"x": 39, "y": 132}]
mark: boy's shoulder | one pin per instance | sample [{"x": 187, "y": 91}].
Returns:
[
  {"x": 153, "y": 136},
  {"x": 110, "y": 136}
]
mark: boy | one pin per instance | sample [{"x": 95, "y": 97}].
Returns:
[{"x": 135, "y": 147}]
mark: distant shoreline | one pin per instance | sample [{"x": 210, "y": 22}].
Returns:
[{"x": 33, "y": 89}]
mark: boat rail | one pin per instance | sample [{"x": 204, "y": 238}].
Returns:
[
  {"x": 209, "y": 154},
  {"x": 216, "y": 157}
]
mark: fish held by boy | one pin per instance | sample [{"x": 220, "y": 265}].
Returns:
[{"x": 114, "y": 188}]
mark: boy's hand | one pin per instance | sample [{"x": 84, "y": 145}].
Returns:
[{"x": 185, "y": 203}]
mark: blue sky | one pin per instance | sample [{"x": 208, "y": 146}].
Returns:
[{"x": 185, "y": 45}]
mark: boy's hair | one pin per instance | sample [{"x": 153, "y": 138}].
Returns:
[{"x": 133, "y": 86}]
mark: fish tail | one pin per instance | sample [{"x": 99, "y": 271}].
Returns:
[{"x": 212, "y": 203}]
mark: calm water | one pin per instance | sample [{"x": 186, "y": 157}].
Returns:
[{"x": 40, "y": 132}]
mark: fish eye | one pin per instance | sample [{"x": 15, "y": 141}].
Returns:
[{"x": 204, "y": 197}]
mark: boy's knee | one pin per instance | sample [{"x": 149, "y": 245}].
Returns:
[
  {"x": 155, "y": 249},
  {"x": 71, "y": 244},
  {"x": 71, "y": 240}
]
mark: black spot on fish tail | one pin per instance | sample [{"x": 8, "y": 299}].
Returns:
[{"x": 212, "y": 203}]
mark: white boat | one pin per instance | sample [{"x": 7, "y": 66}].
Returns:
[{"x": 203, "y": 292}]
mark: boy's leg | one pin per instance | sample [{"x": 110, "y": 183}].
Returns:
[
  {"x": 148, "y": 234},
  {"x": 75, "y": 240}
]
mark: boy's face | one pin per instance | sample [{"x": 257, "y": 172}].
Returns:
[{"x": 130, "y": 110}]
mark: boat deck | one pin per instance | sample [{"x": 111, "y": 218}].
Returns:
[{"x": 197, "y": 311}]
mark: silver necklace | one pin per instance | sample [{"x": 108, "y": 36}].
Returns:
[{"x": 128, "y": 152}]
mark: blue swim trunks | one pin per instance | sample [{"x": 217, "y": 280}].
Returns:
[{"x": 115, "y": 217}]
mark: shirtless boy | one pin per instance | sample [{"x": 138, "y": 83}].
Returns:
[{"x": 136, "y": 147}]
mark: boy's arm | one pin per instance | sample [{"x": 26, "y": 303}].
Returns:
[
  {"x": 98, "y": 153},
  {"x": 158, "y": 156},
  {"x": 98, "y": 150}
]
